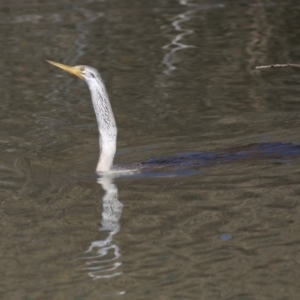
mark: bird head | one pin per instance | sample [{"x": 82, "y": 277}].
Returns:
[{"x": 83, "y": 72}]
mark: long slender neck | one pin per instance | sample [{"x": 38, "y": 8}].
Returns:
[{"x": 106, "y": 124}]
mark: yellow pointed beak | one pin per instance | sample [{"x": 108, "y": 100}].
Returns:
[{"x": 72, "y": 70}]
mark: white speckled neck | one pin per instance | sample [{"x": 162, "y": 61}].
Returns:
[{"x": 106, "y": 123}]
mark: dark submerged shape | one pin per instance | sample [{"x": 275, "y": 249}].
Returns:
[{"x": 277, "y": 151}]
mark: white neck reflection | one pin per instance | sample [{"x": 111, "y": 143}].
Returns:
[
  {"x": 177, "y": 44},
  {"x": 180, "y": 26},
  {"x": 103, "y": 255}
]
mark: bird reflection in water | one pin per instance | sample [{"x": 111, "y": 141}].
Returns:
[{"x": 102, "y": 260}]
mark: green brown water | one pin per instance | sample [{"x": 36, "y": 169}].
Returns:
[{"x": 181, "y": 78}]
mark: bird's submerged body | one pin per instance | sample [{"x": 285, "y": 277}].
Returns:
[
  {"x": 108, "y": 136},
  {"x": 276, "y": 151},
  {"x": 191, "y": 163}
]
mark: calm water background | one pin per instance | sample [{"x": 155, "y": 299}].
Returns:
[{"x": 181, "y": 78}]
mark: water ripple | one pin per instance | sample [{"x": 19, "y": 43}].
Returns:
[{"x": 177, "y": 44}]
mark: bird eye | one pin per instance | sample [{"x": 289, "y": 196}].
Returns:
[
  {"x": 81, "y": 68},
  {"x": 92, "y": 75}
]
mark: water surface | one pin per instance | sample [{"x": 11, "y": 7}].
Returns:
[{"x": 181, "y": 77}]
